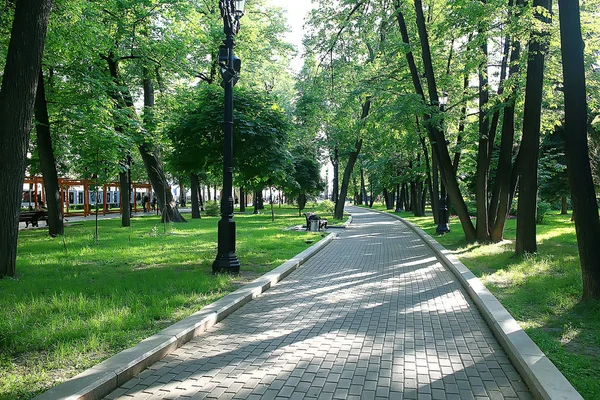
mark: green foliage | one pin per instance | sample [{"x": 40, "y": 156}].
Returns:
[
  {"x": 211, "y": 208},
  {"x": 542, "y": 209},
  {"x": 260, "y": 145},
  {"x": 327, "y": 206}
]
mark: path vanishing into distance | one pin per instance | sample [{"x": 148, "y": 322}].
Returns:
[{"x": 374, "y": 315}]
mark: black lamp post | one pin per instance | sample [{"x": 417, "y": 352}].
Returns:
[
  {"x": 230, "y": 66},
  {"x": 443, "y": 208}
]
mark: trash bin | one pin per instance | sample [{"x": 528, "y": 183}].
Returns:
[{"x": 314, "y": 225}]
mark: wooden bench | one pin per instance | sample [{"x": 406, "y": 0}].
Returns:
[
  {"x": 33, "y": 217},
  {"x": 310, "y": 216}
]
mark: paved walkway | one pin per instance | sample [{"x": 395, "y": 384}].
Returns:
[{"x": 372, "y": 316}]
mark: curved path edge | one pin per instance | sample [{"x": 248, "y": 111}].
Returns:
[
  {"x": 103, "y": 378},
  {"x": 542, "y": 377}
]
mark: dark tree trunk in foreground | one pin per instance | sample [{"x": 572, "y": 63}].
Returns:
[
  {"x": 47, "y": 161},
  {"x": 528, "y": 170},
  {"x": 17, "y": 97},
  {"x": 583, "y": 196},
  {"x": 352, "y": 157},
  {"x": 195, "y": 188}
]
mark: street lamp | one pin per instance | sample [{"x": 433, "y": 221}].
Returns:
[
  {"x": 443, "y": 208},
  {"x": 230, "y": 66}
]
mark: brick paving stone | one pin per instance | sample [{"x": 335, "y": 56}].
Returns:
[{"x": 373, "y": 315}]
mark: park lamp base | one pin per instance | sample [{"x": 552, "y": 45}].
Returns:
[{"x": 226, "y": 264}]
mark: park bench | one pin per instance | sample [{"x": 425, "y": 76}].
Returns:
[
  {"x": 310, "y": 216},
  {"x": 33, "y": 217}
]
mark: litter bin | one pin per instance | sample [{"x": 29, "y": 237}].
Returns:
[{"x": 314, "y": 225}]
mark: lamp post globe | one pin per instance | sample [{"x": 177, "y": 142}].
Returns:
[
  {"x": 443, "y": 207},
  {"x": 240, "y": 8},
  {"x": 230, "y": 66}
]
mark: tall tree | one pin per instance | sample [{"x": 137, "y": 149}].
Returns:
[
  {"x": 583, "y": 196},
  {"x": 17, "y": 97},
  {"x": 47, "y": 161},
  {"x": 436, "y": 135},
  {"x": 528, "y": 173}
]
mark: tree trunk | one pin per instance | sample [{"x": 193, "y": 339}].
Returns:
[
  {"x": 181, "y": 194},
  {"x": 386, "y": 198},
  {"x": 17, "y": 97},
  {"x": 255, "y": 204},
  {"x": 493, "y": 208},
  {"x": 461, "y": 123},
  {"x": 504, "y": 172},
  {"x": 352, "y": 157},
  {"x": 436, "y": 137},
  {"x": 563, "y": 205},
  {"x": 583, "y": 196},
  {"x": 336, "y": 173},
  {"x": 260, "y": 199},
  {"x": 398, "y": 199},
  {"x": 125, "y": 207},
  {"x": 423, "y": 199},
  {"x": 483, "y": 153},
  {"x": 47, "y": 162},
  {"x": 356, "y": 196},
  {"x": 432, "y": 181},
  {"x": 301, "y": 202},
  {"x": 153, "y": 161},
  {"x": 526, "y": 211},
  {"x": 195, "y": 185},
  {"x": 242, "y": 200},
  {"x": 363, "y": 189}
]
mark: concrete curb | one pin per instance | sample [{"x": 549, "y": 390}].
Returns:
[
  {"x": 544, "y": 380},
  {"x": 100, "y": 380}
]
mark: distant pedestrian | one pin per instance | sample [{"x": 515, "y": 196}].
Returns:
[
  {"x": 154, "y": 203},
  {"x": 145, "y": 203}
]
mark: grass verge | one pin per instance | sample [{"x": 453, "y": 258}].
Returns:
[
  {"x": 77, "y": 301},
  {"x": 541, "y": 291}
]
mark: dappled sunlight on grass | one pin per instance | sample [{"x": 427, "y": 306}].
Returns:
[
  {"x": 76, "y": 301},
  {"x": 542, "y": 291}
]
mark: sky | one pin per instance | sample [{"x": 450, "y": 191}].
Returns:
[{"x": 296, "y": 11}]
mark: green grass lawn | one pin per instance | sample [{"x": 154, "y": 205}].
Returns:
[
  {"x": 76, "y": 302},
  {"x": 541, "y": 291}
]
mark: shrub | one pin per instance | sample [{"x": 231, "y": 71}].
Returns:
[
  {"x": 542, "y": 210},
  {"x": 327, "y": 206},
  {"x": 211, "y": 208}
]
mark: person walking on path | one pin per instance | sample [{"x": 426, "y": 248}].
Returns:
[{"x": 374, "y": 315}]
